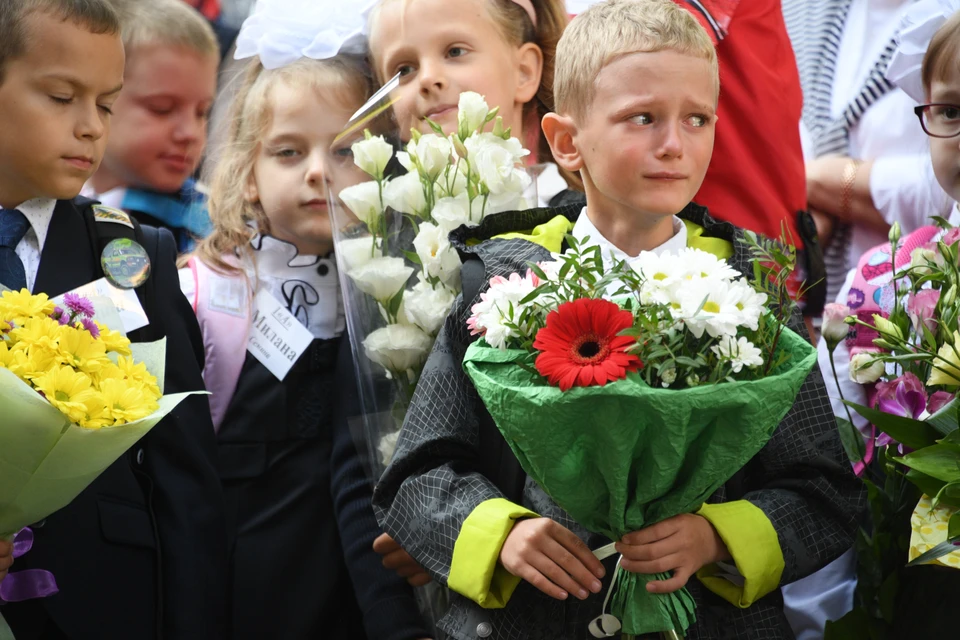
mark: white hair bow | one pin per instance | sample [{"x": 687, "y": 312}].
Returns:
[
  {"x": 920, "y": 22},
  {"x": 283, "y": 31}
]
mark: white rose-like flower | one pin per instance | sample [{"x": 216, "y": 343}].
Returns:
[
  {"x": 387, "y": 447},
  {"x": 398, "y": 348},
  {"x": 433, "y": 152},
  {"x": 451, "y": 183},
  {"x": 381, "y": 278},
  {"x": 835, "y": 327},
  {"x": 739, "y": 352},
  {"x": 427, "y": 307},
  {"x": 363, "y": 200},
  {"x": 372, "y": 155},
  {"x": 405, "y": 194},
  {"x": 356, "y": 252},
  {"x": 865, "y": 368},
  {"x": 471, "y": 111},
  {"x": 450, "y": 213},
  {"x": 438, "y": 258}
]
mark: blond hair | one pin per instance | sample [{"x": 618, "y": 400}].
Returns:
[
  {"x": 615, "y": 28},
  {"x": 943, "y": 53},
  {"x": 168, "y": 23},
  {"x": 236, "y": 220},
  {"x": 517, "y": 29}
]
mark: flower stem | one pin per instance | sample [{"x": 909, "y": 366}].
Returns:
[{"x": 836, "y": 379}]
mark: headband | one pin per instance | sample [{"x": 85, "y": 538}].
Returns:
[
  {"x": 527, "y": 5},
  {"x": 920, "y": 22},
  {"x": 281, "y": 32}
]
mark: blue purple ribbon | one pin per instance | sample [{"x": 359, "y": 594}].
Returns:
[{"x": 29, "y": 583}]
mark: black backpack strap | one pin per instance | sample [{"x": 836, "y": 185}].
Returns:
[{"x": 100, "y": 233}]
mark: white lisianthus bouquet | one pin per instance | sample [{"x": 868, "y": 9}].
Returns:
[{"x": 400, "y": 274}]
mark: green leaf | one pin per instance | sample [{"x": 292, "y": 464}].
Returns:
[
  {"x": 851, "y": 439},
  {"x": 912, "y": 433},
  {"x": 393, "y": 306},
  {"x": 942, "y": 549},
  {"x": 949, "y": 494},
  {"x": 926, "y": 484},
  {"x": 852, "y": 626},
  {"x": 953, "y": 526},
  {"x": 946, "y": 419},
  {"x": 887, "y": 596},
  {"x": 940, "y": 461},
  {"x": 412, "y": 257}
]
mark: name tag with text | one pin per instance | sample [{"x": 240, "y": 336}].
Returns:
[{"x": 277, "y": 339}]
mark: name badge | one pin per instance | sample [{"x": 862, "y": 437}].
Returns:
[
  {"x": 277, "y": 339},
  {"x": 132, "y": 315}
]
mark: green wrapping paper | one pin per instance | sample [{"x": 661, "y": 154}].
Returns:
[{"x": 624, "y": 456}]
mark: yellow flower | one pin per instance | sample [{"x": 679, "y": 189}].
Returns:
[
  {"x": 97, "y": 415},
  {"x": 67, "y": 390},
  {"x": 137, "y": 371},
  {"x": 126, "y": 401},
  {"x": 108, "y": 371},
  {"x": 32, "y": 363},
  {"x": 114, "y": 341},
  {"x": 37, "y": 332},
  {"x": 22, "y": 304},
  {"x": 81, "y": 350},
  {"x": 948, "y": 373}
]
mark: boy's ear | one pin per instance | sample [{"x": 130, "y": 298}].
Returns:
[
  {"x": 560, "y": 132},
  {"x": 529, "y": 72}
]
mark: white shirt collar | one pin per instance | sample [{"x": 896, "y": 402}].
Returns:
[
  {"x": 39, "y": 213},
  {"x": 112, "y": 198},
  {"x": 584, "y": 228}
]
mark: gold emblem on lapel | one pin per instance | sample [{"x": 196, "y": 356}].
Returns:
[{"x": 103, "y": 213}]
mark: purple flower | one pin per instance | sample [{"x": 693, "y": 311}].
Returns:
[
  {"x": 905, "y": 397},
  {"x": 921, "y": 306},
  {"x": 91, "y": 326},
  {"x": 938, "y": 401},
  {"x": 60, "y": 316},
  {"x": 78, "y": 305}
]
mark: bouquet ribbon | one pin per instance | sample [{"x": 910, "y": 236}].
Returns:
[{"x": 29, "y": 583}]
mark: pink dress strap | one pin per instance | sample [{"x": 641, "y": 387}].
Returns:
[{"x": 223, "y": 304}]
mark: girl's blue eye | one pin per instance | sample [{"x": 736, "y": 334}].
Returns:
[{"x": 286, "y": 153}]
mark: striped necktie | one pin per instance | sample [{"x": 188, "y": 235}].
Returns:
[{"x": 13, "y": 226}]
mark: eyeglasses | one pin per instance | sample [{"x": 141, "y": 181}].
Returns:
[{"x": 939, "y": 120}]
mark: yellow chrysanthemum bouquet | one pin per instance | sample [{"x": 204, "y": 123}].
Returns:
[{"x": 75, "y": 394}]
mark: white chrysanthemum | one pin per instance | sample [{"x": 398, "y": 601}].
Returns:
[
  {"x": 709, "y": 305},
  {"x": 739, "y": 352},
  {"x": 750, "y": 302},
  {"x": 696, "y": 264},
  {"x": 661, "y": 277},
  {"x": 499, "y": 306}
]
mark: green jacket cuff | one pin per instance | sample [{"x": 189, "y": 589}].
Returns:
[{"x": 476, "y": 572}]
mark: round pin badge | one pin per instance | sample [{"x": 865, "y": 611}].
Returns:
[{"x": 125, "y": 263}]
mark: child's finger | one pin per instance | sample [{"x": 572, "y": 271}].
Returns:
[
  {"x": 397, "y": 559},
  {"x": 572, "y": 565},
  {"x": 653, "y": 533},
  {"x": 579, "y": 549},
  {"x": 677, "y": 582},
  {"x": 659, "y": 565},
  {"x": 385, "y": 544},
  {"x": 420, "y": 580},
  {"x": 555, "y": 574},
  {"x": 538, "y": 580},
  {"x": 652, "y": 551}
]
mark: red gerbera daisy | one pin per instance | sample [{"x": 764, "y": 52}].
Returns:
[{"x": 580, "y": 346}]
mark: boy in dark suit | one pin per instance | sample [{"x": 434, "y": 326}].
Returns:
[{"x": 141, "y": 553}]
